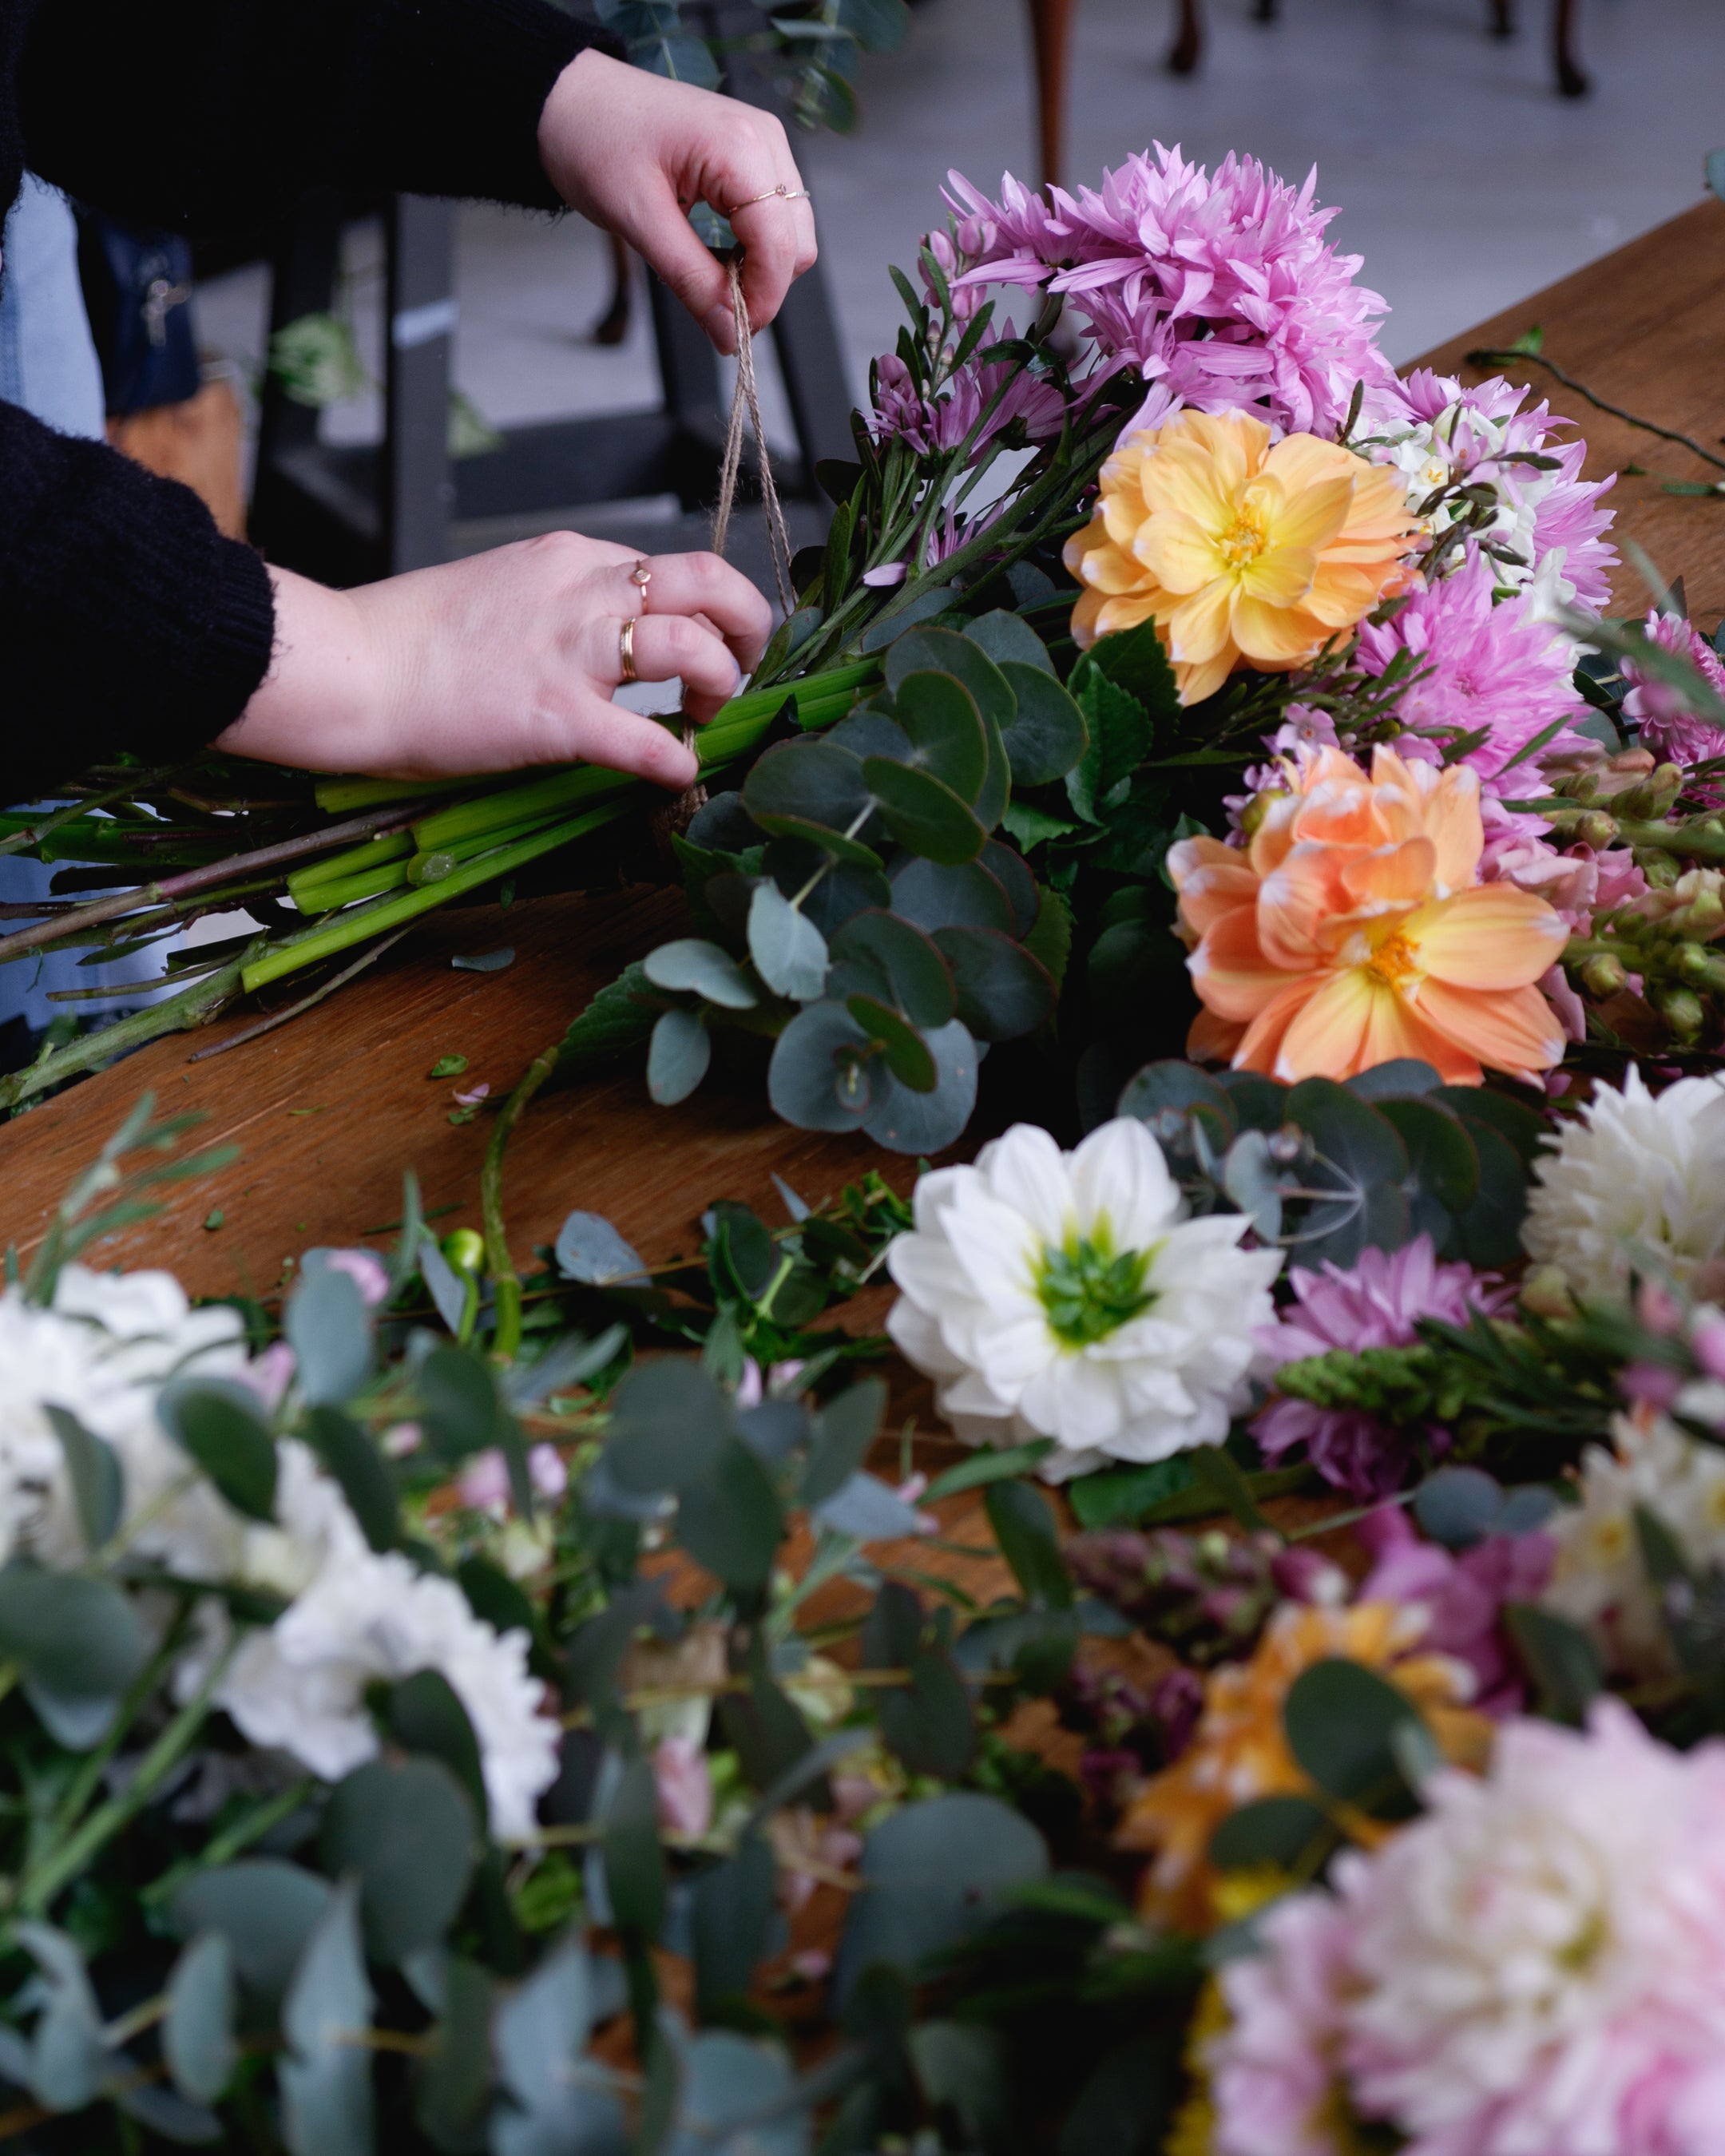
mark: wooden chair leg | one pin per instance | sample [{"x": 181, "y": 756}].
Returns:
[
  {"x": 1051, "y": 42},
  {"x": 1188, "y": 48},
  {"x": 1571, "y": 81},
  {"x": 612, "y": 325}
]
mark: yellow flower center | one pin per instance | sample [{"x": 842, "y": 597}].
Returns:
[
  {"x": 1395, "y": 961},
  {"x": 1244, "y": 539}
]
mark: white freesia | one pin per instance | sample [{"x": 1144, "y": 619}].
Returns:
[
  {"x": 1069, "y": 1296},
  {"x": 103, "y": 1351},
  {"x": 1599, "y": 1580},
  {"x": 1630, "y": 1169},
  {"x": 300, "y": 1686}
]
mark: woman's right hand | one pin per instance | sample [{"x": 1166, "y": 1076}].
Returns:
[{"x": 505, "y": 660}]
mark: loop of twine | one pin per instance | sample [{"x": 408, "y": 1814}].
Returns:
[{"x": 746, "y": 398}]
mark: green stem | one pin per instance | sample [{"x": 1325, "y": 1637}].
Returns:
[
  {"x": 137, "y": 783},
  {"x": 194, "y": 1006},
  {"x": 299, "y": 951},
  {"x": 506, "y": 1281},
  {"x": 44, "y": 1881},
  {"x": 1514, "y": 358}
]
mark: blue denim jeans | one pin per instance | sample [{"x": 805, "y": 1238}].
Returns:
[{"x": 49, "y": 366}]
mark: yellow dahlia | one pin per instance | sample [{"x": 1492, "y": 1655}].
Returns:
[
  {"x": 1239, "y": 1750},
  {"x": 1243, "y": 553}
]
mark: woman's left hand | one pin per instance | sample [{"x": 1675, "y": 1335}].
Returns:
[{"x": 635, "y": 152}]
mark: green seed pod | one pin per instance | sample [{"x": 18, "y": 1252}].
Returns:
[{"x": 466, "y": 1250}]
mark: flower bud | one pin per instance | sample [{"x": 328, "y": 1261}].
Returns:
[
  {"x": 1597, "y": 829},
  {"x": 1258, "y": 807},
  {"x": 1546, "y": 1293},
  {"x": 466, "y": 1250},
  {"x": 1683, "y": 1011},
  {"x": 1602, "y": 975},
  {"x": 1692, "y": 963}
]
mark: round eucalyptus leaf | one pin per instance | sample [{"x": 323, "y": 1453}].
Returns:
[
  {"x": 1012, "y": 871},
  {"x": 907, "y": 962},
  {"x": 932, "y": 896},
  {"x": 75, "y": 1639},
  {"x": 870, "y": 732},
  {"x": 693, "y": 966},
  {"x": 1009, "y": 639},
  {"x": 944, "y": 651},
  {"x": 218, "y": 1423},
  {"x": 1459, "y": 1506},
  {"x": 731, "y": 1521},
  {"x": 1341, "y": 1720},
  {"x": 668, "y": 1419},
  {"x": 1401, "y": 1079},
  {"x": 1003, "y": 993},
  {"x": 265, "y": 1907},
  {"x": 1048, "y": 736},
  {"x": 913, "y": 1122},
  {"x": 907, "y": 1054},
  {"x": 1444, "y": 1161},
  {"x": 677, "y": 1056},
  {"x": 922, "y": 813},
  {"x": 329, "y": 1331},
  {"x": 939, "y": 716},
  {"x": 843, "y": 890},
  {"x": 809, "y": 789},
  {"x": 197, "y": 2031},
  {"x": 408, "y": 1832},
  {"x": 931, "y": 1870},
  {"x": 589, "y": 1249},
  {"x": 325, "y": 2078},
  {"x": 736, "y": 2097},
  {"x": 818, "y": 1078},
  {"x": 789, "y": 953},
  {"x": 1278, "y": 1831}
]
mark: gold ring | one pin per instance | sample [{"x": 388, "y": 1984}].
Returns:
[
  {"x": 641, "y": 574},
  {"x": 780, "y": 193},
  {"x": 626, "y": 649}
]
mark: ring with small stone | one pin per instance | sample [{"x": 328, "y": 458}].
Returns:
[
  {"x": 780, "y": 193},
  {"x": 626, "y": 649},
  {"x": 641, "y": 575}
]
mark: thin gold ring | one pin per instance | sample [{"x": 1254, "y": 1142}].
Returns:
[
  {"x": 626, "y": 649},
  {"x": 641, "y": 575},
  {"x": 780, "y": 193}
]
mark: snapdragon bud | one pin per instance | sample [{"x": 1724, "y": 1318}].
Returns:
[{"x": 1602, "y": 975}]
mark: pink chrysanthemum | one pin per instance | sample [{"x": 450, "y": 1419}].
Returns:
[
  {"x": 1488, "y": 665},
  {"x": 1275, "y": 2076},
  {"x": 1669, "y": 726},
  {"x": 1222, "y": 291},
  {"x": 1377, "y": 1304},
  {"x": 1465, "y": 1593},
  {"x": 1536, "y": 1967},
  {"x": 1550, "y": 525},
  {"x": 1035, "y": 408}
]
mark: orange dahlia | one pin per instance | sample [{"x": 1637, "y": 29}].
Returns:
[
  {"x": 1351, "y": 930},
  {"x": 1243, "y": 553},
  {"x": 1239, "y": 1752}
]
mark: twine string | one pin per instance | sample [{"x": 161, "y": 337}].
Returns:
[{"x": 745, "y": 402}]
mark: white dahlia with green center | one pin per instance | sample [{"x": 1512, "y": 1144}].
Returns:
[{"x": 1070, "y": 1296}]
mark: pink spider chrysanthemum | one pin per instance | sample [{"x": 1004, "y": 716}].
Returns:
[
  {"x": 1486, "y": 665},
  {"x": 1222, "y": 290},
  {"x": 1670, "y": 725}
]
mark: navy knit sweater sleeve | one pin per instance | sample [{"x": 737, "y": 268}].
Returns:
[{"x": 126, "y": 620}]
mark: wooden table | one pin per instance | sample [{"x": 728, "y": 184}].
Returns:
[{"x": 330, "y": 1108}]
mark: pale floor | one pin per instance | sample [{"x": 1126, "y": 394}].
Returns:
[{"x": 1464, "y": 180}]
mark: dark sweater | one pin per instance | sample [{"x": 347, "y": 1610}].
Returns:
[{"x": 126, "y": 620}]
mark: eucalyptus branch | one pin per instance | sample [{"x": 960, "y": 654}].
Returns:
[
  {"x": 1516, "y": 356},
  {"x": 505, "y": 1281}
]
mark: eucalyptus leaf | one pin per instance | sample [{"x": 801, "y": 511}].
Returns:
[
  {"x": 1048, "y": 736},
  {"x": 329, "y": 1331},
  {"x": 633, "y": 1862},
  {"x": 692, "y": 965},
  {"x": 1008, "y": 639},
  {"x": 677, "y": 1056},
  {"x": 902, "y": 961},
  {"x": 265, "y": 1907},
  {"x": 730, "y": 1520},
  {"x": 906, "y": 1054},
  {"x": 917, "y": 1122},
  {"x": 589, "y": 1249},
  {"x": 818, "y": 1078},
  {"x": 933, "y": 895},
  {"x": 1002, "y": 991},
  {"x": 839, "y": 1437},
  {"x": 923, "y": 650},
  {"x": 94, "y": 1470},
  {"x": 811, "y": 789},
  {"x": 541, "y": 2035},
  {"x": 450, "y": 2102},
  {"x": 197, "y": 2039},
  {"x": 76, "y": 1641},
  {"x": 1341, "y": 1719},
  {"x": 789, "y": 953},
  {"x": 408, "y": 1833},
  {"x": 68, "y": 2049},
  {"x": 669, "y": 1421},
  {"x": 326, "y": 2077},
  {"x": 922, "y": 813},
  {"x": 940, "y": 718},
  {"x": 218, "y": 1422},
  {"x": 352, "y": 1457}
]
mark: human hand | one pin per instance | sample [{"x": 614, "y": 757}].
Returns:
[
  {"x": 634, "y": 152},
  {"x": 505, "y": 659}
]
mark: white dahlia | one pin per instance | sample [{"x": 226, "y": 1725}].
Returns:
[
  {"x": 103, "y": 1352},
  {"x": 1634, "y": 1169},
  {"x": 300, "y": 1686},
  {"x": 1599, "y": 1580},
  {"x": 1069, "y": 1296}
]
